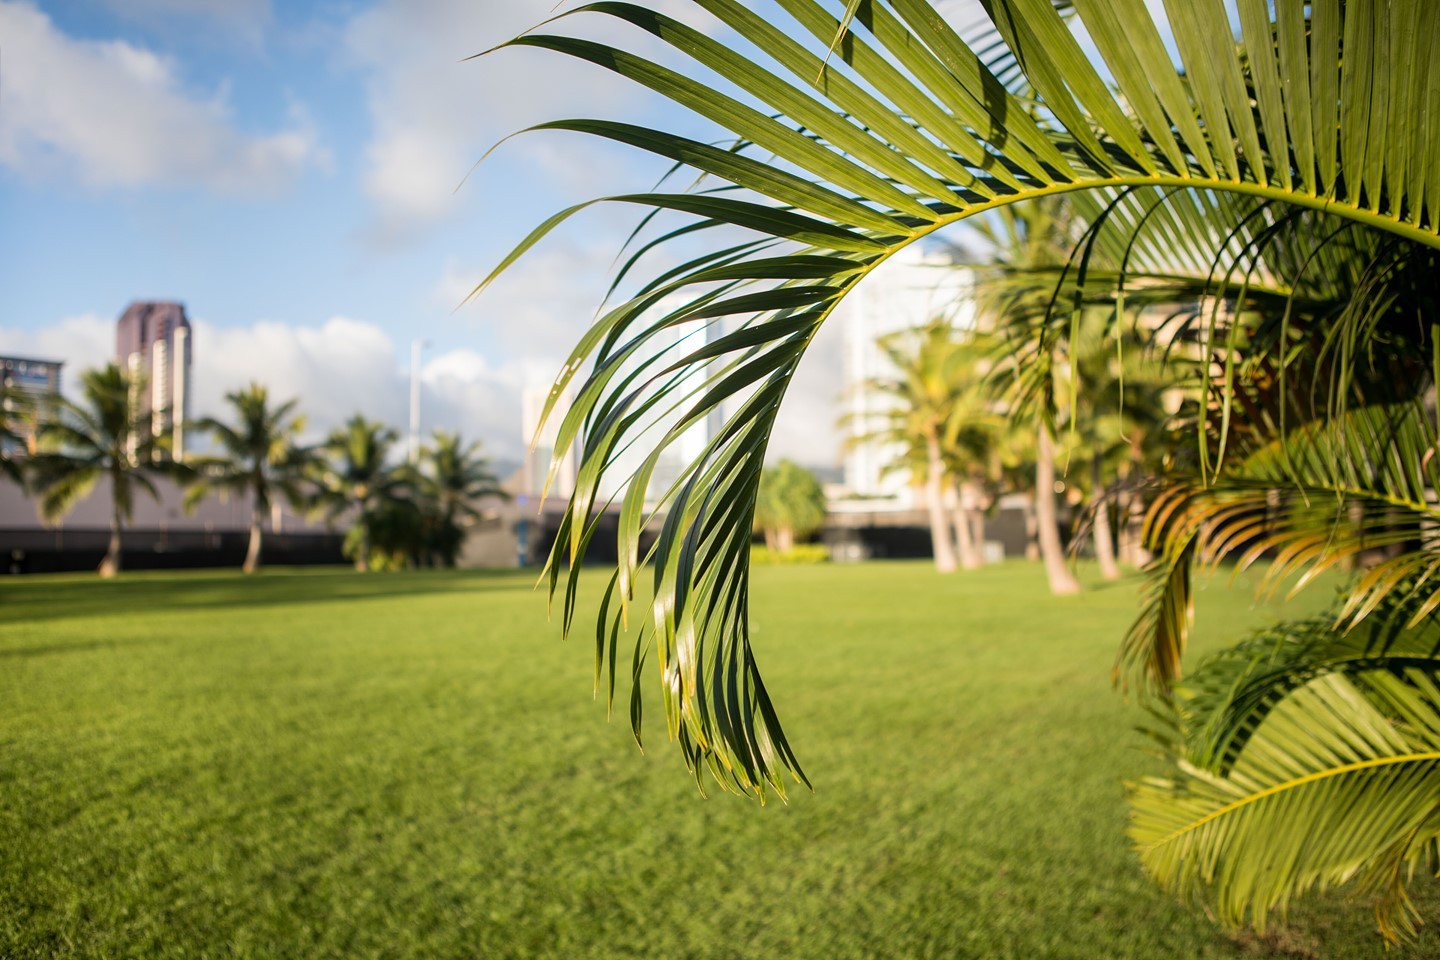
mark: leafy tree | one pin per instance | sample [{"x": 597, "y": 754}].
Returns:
[
  {"x": 909, "y": 131},
  {"x": 790, "y": 507},
  {"x": 260, "y": 458},
  {"x": 101, "y": 436},
  {"x": 359, "y": 481}
]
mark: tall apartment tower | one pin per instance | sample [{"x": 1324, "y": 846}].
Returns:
[{"x": 152, "y": 339}]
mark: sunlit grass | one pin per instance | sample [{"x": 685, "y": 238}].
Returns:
[{"x": 328, "y": 765}]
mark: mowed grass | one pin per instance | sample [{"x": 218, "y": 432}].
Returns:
[{"x": 318, "y": 764}]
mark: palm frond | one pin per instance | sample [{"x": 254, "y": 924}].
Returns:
[
  {"x": 1233, "y": 692},
  {"x": 63, "y": 482},
  {"x": 1307, "y": 502},
  {"x": 1339, "y": 784}
]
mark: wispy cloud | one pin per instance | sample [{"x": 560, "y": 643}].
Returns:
[
  {"x": 240, "y": 21},
  {"x": 434, "y": 113},
  {"x": 110, "y": 113}
]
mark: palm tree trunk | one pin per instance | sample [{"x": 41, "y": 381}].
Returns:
[
  {"x": 362, "y": 551},
  {"x": 1126, "y": 536},
  {"x": 1100, "y": 530},
  {"x": 252, "y": 555},
  {"x": 1062, "y": 581},
  {"x": 940, "y": 537},
  {"x": 1132, "y": 518},
  {"x": 977, "y": 533},
  {"x": 1032, "y": 530},
  {"x": 112, "y": 562},
  {"x": 970, "y": 558}
]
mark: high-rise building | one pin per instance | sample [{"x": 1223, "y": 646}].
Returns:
[
  {"x": 911, "y": 290},
  {"x": 153, "y": 342},
  {"x": 38, "y": 382},
  {"x": 541, "y": 452}
]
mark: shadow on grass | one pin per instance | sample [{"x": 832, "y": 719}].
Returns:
[{"x": 28, "y": 601}]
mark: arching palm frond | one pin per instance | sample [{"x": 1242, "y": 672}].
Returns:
[
  {"x": 1338, "y": 783},
  {"x": 878, "y": 135},
  {"x": 1233, "y": 691}
]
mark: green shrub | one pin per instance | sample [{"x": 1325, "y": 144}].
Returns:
[{"x": 801, "y": 553}]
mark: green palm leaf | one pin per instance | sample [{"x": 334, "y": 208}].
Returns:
[
  {"x": 1302, "y": 504},
  {"x": 1233, "y": 692},
  {"x": 1339, "y": 784}
]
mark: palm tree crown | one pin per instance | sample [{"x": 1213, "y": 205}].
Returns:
[
  {"x": 451, "y": 477},
  {"x": 359, "y": 479},
  {"x": 103, "y": 436},
  {"x": 260, "y": 458}
]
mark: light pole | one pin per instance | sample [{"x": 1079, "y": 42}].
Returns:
[{"x": 415, "y": 347}]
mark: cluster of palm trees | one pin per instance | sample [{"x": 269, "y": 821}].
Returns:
[
  {"x": 399, "y": 514},
  {"x": 953, "y": 419},
  {"x": 1270, "y": 208}
]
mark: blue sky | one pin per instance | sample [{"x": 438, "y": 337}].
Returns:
[{"x": 289, "y": 171}]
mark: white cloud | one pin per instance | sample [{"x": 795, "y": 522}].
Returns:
[
  {"x": 113, "y": 114},
  {"x": 346, "y": 366},
  {"x": 434, "y": 113},
  {"x": 80, "y": 342}
]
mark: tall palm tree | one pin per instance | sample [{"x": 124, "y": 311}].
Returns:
[
  {"x": 103, "y": 436},
  {"x": 260, "y": 458},
  {"x": 451, "y": 477},
  {"x": 942, "y": 420},
  {"x": 924, "y": 391},
  {"x": 358, "y": 480},
  {"x": 874, "y": 125}
]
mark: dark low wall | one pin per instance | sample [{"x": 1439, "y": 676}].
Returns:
[{"x": 61, "y": 550}]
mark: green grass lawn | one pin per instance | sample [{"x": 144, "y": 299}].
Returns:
[{"x": 318, "y": 764}]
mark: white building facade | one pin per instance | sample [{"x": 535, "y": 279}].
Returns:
[{"x": 910, "y": 290}]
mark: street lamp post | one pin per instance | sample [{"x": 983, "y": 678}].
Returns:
[{"x": 415, "y": 347}]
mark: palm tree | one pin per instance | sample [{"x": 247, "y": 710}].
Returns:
[
  {"x": 924, "y": 392},
  {"x": 452, "y": 476},
  {"x": 1026, "y": 238},
  {"x": 260, "y": 458},
  {"x": 1115, "y": 417},
  {"x": 841, "y": 166},
  {"x": 103, "y": 436},
  {"x": 358, "y": 480},
  {"x": 943, "y": 421},
  {"x": 974, "y": 450}
]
